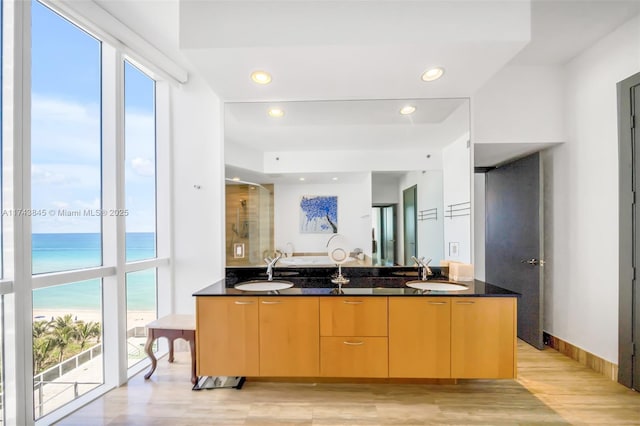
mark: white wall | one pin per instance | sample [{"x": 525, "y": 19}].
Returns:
[
  {"x": 354, "y": 215},
  {"x": 457, "y": 189},
  {"x": 243, "y": 157},
  {"x": 430, "y": 232},
  {"x": 197, "y": 213},
  {"x": 352, "y": 161},
  {"x": 520, "y": 104},
  {"x": 582, "y": 198},
  {"x": 385, "y": 192}
]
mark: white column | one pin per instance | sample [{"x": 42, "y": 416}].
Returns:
[
  {"x": 164, "y": 197},
  {"x": 16, "y": 127},
  {"x": 113, "y": 227}
]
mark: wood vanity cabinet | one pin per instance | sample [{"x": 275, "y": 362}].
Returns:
[
  {"x": 353, "y": 337},
  {"x": 483, "y": 337},
  {"x": 420, "y": 337},
  {"x": 347, "y": 336},
  {"x": 227, "y": 336},
  {"x": 289, "y": 341}
]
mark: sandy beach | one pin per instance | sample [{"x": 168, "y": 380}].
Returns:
[{"x": 134, "y": 318}]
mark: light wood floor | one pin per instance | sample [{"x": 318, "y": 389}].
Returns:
[{"x": 551, "y": 389}]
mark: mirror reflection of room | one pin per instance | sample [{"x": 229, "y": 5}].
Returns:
[{"x": 399, "y": 184}]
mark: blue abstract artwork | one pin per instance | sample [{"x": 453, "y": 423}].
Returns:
[{"x": 319, "y": 214}]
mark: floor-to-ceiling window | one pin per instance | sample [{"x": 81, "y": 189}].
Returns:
[
  {"x": 66, "y": 208},
  {"x": 84, "y": 256},
  {"x": 82, "y": 209},
  {"x": 140, "y": 202},
  {"x": 1, "y": 205}
]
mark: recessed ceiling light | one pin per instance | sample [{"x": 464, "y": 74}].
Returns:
[
  {"x": 407, "y": 109},
  {"x": 275, "y": 112},
  {"x": 236, "y": 178},
  {"x": 432, "y": 74},
  {"x": 261, "y": 77},
  {"x": 334, "y": 178},
  {"x": 301, "y": 179}
]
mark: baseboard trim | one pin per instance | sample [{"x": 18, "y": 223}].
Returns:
[
  {"x": 362, "y": 380},
  {"x": 597, "y": 364}
]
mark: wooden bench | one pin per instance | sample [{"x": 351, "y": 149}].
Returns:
[{"x": 172, "y": 327}]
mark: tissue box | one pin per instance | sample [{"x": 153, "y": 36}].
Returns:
[{"x": 461, "y": 271}]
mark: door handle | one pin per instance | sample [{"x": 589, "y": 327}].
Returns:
[
  {"x": 354, "y": 302},
  {"x": 533, "y": 262},
  {"x": 276, "y": 302},
  {"x": 238, "y": 302},
  {"x": 353, "y": 343}
]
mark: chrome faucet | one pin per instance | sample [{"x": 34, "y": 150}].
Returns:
[
  {"x": 271, "y": 262},
  {"x": 423, "y": 265}
]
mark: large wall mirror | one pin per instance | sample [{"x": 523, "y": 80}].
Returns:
[{"x": 392, "y": 177}]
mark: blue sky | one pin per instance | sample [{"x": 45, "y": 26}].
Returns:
[{"x": 66, "y": 129}]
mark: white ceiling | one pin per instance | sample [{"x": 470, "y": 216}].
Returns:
[
  {"x": 561, "y": 29},
  {"x": 365, "y": 50},
  {"x": 252, "y": 177},
  {"x": 351, "y": 50},
  {"x": 339, "y": 50},
  {"x": 346, "y": 125}
]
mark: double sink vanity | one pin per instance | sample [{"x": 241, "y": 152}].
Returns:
[{"x": 376, "y": 327}]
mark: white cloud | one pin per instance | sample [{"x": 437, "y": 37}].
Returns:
[
  {"x": 64, "y": 130},
  {"x": 52, "y": 109},
  {"x": 143, "y": 166},
  {"x": 66, "y": 149},
  {"x": 41, "y": 175},
  {"x": 57, "y": 177},
  {"x": 60, "y": 204}
]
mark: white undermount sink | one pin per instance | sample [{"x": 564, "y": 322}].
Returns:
[
  {"x": 263, "y": 285},
  {"x": 435, "y": 285}
]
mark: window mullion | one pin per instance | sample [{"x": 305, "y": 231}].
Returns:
[
  {"x": 113, "y": 227},
  {"x": 18, "y": 370},
  {"x": 163, "y": 198}
]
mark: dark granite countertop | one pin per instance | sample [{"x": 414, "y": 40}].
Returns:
[{"x": 475, "y": 288}]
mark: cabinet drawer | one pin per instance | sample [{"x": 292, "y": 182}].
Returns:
[
  {"x": 353, "y": 316},
  {"x": 353, "y": 357}
]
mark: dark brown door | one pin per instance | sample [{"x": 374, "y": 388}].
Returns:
[
  {"x": 514, "y": 229},
  {"x": 629, "y": 236},
  {"x": 635, "y": 308}
]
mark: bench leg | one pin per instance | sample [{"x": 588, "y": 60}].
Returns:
[
  {"x": 148, "y": 348},
  {"x": 171, "y": 349}
]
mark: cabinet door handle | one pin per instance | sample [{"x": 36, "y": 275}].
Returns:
[
  {"x": 275, "y": 302},
  {"x": 437, "y": 303},
  {"x": 346, "y": 342},
  {"x": 244, "y": 302},
  {"x": 353, "y": 302},
  {"x": 465, "y": 303}
]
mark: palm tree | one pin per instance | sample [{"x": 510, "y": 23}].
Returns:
[
  {"x": 85, "y": 331},
  {"x": 40, "y": 329},
  {"x": 64, "y": 332},
  {"x": 42, "y": 348},
  {"x": 42, "y": 344}
]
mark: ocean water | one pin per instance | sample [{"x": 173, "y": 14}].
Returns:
[{"x": 63, "y": 252}]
